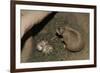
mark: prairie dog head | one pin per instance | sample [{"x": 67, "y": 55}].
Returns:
[{"x": 60, "y": 30}]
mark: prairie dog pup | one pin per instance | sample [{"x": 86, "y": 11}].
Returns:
[{"x": 72, "y": 38}]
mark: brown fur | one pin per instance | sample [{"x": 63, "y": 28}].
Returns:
[{"x": 71, "y": 37}]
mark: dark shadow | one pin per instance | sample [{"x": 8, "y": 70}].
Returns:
[
  {"x": 59, "y": 36},
  {"x": 36, "y": 29}
]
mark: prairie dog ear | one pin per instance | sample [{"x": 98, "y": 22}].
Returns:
[{"x": 60, "y": 30}]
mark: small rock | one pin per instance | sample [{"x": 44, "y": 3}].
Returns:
[{"x": 44, "y": 47}]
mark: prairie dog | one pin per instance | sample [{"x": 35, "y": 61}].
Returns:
[{"x": 72, "y": 38}]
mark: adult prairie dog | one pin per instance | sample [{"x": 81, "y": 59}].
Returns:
[{"x": 72, "y": 38}]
